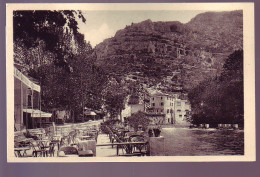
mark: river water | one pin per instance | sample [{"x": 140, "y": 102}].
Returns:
[{"x": 189, "y": 142}]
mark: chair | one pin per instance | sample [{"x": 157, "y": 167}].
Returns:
[
  {"x": 63, "y": 141},
  {"x": 37, "y": 152},
  {"x": 51, "y": 149},
  {"x": 27, "y": 134}
]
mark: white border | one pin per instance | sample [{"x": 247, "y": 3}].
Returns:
[{"x": 249, "y": 76}]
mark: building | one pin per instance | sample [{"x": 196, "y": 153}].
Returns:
[
  {"x": 162, "y": 109},
  {"x": 170, "y": 106},
  {"x": 182, "y": 108},
  {"x": 131, "y": 109},
  {"x": 162, "y": 104},
  {"x": 27, "y": 103},
  {"x": 132, "y": 106}
]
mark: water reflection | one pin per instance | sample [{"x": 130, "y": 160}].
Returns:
[{"x": 188, "y": 142}]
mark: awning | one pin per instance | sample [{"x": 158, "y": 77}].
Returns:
[
  {"x": 26, "y": 80},
  {"x": 91, "y": 113},
  {"x": 37, "y": 113}
]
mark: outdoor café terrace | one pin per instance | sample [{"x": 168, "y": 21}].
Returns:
[{"x": 86, "y": 139}]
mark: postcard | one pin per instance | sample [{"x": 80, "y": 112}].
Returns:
[{"x": 139, "y": 82}]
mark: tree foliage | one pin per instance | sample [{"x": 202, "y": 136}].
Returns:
[
  {"x": 221, "y": 99},
  {"x": 49, "y": 44},
  {"x": 137, "y": 119},
  {"x": 55, "y": 53},
  {"x": 114, "y": 97}
]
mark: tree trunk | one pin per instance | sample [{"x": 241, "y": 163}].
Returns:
[{"x": 120, "y": 113}]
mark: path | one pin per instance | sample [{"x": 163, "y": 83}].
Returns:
[{"x": 104, "y": 151}]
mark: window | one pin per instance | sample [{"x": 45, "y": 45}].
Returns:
[
  {"x": 161, "y": 98},
  {"x": 153, "y": 104},
  {"x": 162, "y": 110},
  {"x": 161, "y": 103},
  {"x": 167, "y": 111},
  {"x": 178, "y": 103},
  {"x": 153, "y": 98},
  {"x": 157, "y": 110},
  {"x": 180, "y": 115},
  {"x": 178, "y": 110}
]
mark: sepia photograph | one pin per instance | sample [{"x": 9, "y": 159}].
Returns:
[{"x": 130, "y": 82}]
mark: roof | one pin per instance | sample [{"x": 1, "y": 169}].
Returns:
[
  {"x": 37, "y": 113},
  {"x": 158, "y": 94},
  {"x": 91, "y": 113}
]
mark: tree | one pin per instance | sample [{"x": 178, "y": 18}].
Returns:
[
  {"x": 55, "y": 53},
  {"x": 220, "y": 100},
  {"x": 87, "y": 82},
  {"x": 137, "y": 119},
  {"x": 114, "y": 97},
  {"x": 57, "y": 29}
]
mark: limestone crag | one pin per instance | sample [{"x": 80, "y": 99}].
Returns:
[{"x": 172, "y": 55}]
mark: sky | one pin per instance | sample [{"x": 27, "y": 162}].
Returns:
[{"x": 101, "y": 25}]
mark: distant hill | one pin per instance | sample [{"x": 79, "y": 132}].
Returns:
[{"x": 171, "y": 56}]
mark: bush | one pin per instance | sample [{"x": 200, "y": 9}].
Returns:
[{"x": 137, "y": 119}]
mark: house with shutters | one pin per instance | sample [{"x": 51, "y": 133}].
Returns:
[{"x": 169, "y": 108}]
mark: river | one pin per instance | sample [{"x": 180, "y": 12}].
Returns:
[{"x": 196, "y": 142}]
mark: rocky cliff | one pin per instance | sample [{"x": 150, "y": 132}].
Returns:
[{"x": 172, "y": 56}]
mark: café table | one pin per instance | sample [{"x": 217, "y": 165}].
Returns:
[
  {"x": 84, "y": 145},
  {"x": 56, "y": 137},
  {"x": 19, "y": 149},
  {"x": 39, "y": 135},
  {"x": 85, "y": 137}
]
